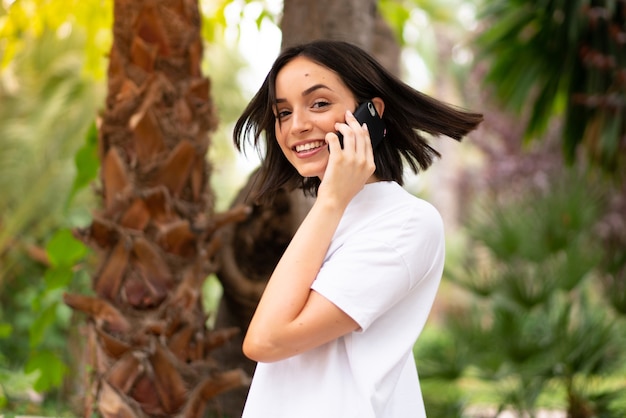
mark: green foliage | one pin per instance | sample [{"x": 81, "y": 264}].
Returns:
[
  {"x": 64, "y": 253},
  {"x": 216, "y": 14},
  {"x": 424, "y": 28},
  {"x": 573, "y": 65},
  {"x": 87, "y": 163},
  {"x": 396, "y": 15},
  {"x": 555, "y": 219},
  {"x": 398, "y": 12},
  {"x": 442, "y": 399},
  {"x": 51, "y": 370},
  {"x": 534, "y": 319},
  {"x": 64, "y": 250},
  {"x": 51, "y": 316},
  {"x": 44, "y": 115},
  {"x": 26, "y": 21},
  {"x": 46, "y": 106},
  {"x": 5, "y": 330}
]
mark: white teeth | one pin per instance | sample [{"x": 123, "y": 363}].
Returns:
[{"x": 309, "y": 146}]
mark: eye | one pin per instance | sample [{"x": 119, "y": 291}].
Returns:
[
  {"x": 281, "y": 114},
  {"x": 320, "y": 104}
]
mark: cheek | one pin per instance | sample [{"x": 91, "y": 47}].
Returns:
[{"x": 280, "y": 138}]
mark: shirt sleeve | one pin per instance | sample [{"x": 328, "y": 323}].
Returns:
[
  {"x": 363, "y": 279},
  {"x": 372, "y": 271}
]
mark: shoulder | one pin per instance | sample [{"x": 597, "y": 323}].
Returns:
[
  {"x": 423, "y": 216},
  {"x": 386, "y": 207},
  {"x": 394, "y": 221}
]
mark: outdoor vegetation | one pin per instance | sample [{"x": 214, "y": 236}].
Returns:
[{"x": 531, "y": 316}]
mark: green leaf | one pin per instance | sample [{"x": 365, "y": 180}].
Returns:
[
  {"x": 57, "y": 277},
  {"x": 87, "y": 162},
  {"x": 547, "y": 57},
  {"x": 41, "y": 324},
  {"x": 50, "y": 368},
  {"x": 65, "y": 250},
  {"x": 5, "y": 330},
  {"x": 396, "y": 15},
  {"x": 263, "y": 16}
]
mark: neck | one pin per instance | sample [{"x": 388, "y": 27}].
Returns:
[{"x": 372, "y": 179}]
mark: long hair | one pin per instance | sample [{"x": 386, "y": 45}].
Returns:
[{"x": 408, "y": 113}]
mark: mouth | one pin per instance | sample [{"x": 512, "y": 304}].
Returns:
[{"x": 309, "y": 146}]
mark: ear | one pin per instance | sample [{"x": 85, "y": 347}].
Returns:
[{"x": 379, "y": 105}]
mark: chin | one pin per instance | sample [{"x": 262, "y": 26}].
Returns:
[{"x": 311, "y": 173}]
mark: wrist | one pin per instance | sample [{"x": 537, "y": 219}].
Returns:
[{"x": 330, "y": 205}]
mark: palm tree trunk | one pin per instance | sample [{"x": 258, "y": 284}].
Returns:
[{"x": 149, "y": 346}]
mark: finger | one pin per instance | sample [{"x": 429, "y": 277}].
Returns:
[
  {"x": 354, "y": 131},
  {"x": 347, "y": 133},
  {"x": 367, "y": 142},
  {"x": 333, "y": 142},
  {"x": 363, "y": 143}
]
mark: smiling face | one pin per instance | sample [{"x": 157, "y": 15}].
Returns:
[{"x": 310, "y": 99}]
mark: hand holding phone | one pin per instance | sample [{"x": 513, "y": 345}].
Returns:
[{"x": 366, "y": 113}]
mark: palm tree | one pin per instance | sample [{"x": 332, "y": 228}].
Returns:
[
  {"x": 568, "y": 58},
  {"x": 562, "y": 56},
  {"x": 148, "y": 343}
]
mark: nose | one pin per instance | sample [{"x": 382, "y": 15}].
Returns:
[{"x": 300, "y": 122}]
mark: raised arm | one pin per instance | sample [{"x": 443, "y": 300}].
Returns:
[{"x": 291, "y": 318}]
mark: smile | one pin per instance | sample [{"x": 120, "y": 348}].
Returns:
[{"x": 309, "y": 146}]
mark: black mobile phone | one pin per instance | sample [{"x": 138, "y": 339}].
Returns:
[{"x": 366, "y": 113}]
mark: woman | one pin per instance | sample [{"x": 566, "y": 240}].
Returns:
[{"x": 334, "y": 330}]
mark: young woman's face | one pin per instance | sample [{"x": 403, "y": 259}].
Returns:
[{"x": 310, "y": 99}]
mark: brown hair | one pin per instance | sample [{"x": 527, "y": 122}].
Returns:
[{"x": 407, "y": 112}]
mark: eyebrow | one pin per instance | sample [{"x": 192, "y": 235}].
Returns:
[{"x": 308, "y": 91}]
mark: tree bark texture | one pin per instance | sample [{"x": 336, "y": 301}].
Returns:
[
  {"x": 355, "y": 21},
  {"x": 250, "y": 250},
  {"x": 155, "y": 235}
]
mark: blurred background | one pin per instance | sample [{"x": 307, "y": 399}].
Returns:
[{"x": 530, "y": 320}]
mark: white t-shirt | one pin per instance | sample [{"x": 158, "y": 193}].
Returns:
[{"x": 383, "y": 269}]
